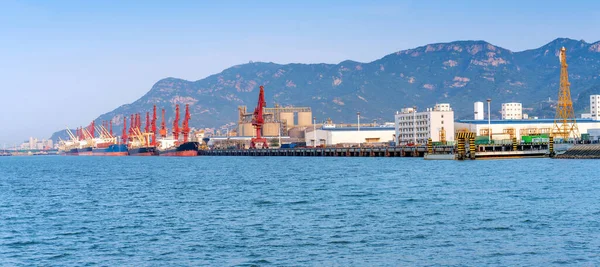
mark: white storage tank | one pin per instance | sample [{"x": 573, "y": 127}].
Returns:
[
  {"x": 288, "y": 118},
  {"x": 305, "y": 118},
  {"x": 478, "y": 111}
]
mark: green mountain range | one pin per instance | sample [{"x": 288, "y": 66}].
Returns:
[{"x": 458, "y": 73}]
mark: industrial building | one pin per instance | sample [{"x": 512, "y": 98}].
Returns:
[
  {"x": 437, "y": 123},
  {"x": 331, "y": 135},
  {"x": 278, "y": 120},
  {"x": 507, "y": 129},
  {"x": 512, "y": 111},
  {"x": 595, "y": 107}
]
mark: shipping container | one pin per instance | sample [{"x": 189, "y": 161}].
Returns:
[
  {"x": 482, "y": 138},
  {"x": 299, "y": 144},
  {"x": 292, "y": 145},
  {"x": 503, "y": 142},
  {"x": 585, "y": 137}
]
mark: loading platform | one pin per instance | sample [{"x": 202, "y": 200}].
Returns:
[{"x": 398, "y": 151}]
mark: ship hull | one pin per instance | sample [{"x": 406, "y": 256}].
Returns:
[
  {"x": 71, "y": 152},
  {"x": 112, "y": 150},
  {"x": 86, "y": 151},
  {"x": 143, "y": 151},
  {"x": 189, "y": 149}
]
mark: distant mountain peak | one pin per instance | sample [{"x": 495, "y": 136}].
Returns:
[{"x": 459, "y": 72}]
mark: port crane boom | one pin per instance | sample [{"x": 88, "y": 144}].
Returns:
[
  {"x": 176, "y": 124},
  {"x": 186, "y": 123},
  {"x": 258, "y": 121}
]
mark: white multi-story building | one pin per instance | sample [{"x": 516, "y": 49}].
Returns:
[
  {"x": 414, "y": 127},
  {"x": 595, "y": 107},
  {"x": 512, "y": 111}
]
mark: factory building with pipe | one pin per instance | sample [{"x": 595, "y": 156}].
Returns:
[{"x": 279, "y": 121}]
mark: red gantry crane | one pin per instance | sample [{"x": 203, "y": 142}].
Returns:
[
  {"x": 124, "y": 134},
  {"x": 132, "y": 124},
  {"x": 163, "y": 126},
  {"x": 186, "y": 123},
  {"x": 258, "y": 121},
  {"x": 176, "y": 124},
  {"x": 154, "y": 126},
  {"x": 147, "y": 128}
]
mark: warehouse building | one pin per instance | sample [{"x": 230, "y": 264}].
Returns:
[
  {"x": 331, "y": 135},
  {"x": 507, "y": 129}
]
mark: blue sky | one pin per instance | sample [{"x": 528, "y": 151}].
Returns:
[{"x": 66, "y": 62}]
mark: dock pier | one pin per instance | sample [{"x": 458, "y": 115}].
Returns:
[{"x": 399, "y": 151}]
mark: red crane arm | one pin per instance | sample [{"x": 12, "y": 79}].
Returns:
[
  {"x": 176, "y": 123},
  {"x": 163, "y": 126},
  {"x": 124, "y": 134},
  {"x": 154, "y": 126},
  {"x": 186, "y": 123}
]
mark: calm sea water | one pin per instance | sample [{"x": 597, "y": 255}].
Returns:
[{"x": 245, "y": 211}]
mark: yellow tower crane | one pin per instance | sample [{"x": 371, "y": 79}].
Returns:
[{"x": 564, "y": 122}]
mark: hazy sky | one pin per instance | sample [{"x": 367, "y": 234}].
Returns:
[{"x": 66, "y": 62}]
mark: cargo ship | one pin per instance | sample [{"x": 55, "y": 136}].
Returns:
[
  {"x": 71, "y": 152},
  {"x": 141, "y": 144},
  {"x": 187, "y": 149},
  {"x": 170, "y": 146},
  {"x": 111, "y": 150},
  {"x": 67, "y": 148},
  {"x": 143, "y": 151},
  {"x": 84, "y": 151}
]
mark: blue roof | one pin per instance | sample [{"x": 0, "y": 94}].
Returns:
[{"x": 521, "y": 121}]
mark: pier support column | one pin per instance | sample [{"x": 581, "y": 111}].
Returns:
[
  {"x": 551, "y": 146},
  {"x": 472, "y": 147}
]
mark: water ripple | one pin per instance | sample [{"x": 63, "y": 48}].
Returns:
[{"x": 228, "y": 211}]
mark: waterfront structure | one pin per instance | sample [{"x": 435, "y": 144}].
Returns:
[
  {"x": 512, "y": 111},
  {"x": 413, "y": 127},
  {"x": 333, "y": 135},
  {"x": 518, "y": 128},
  {"x": 277, "y": 120}
]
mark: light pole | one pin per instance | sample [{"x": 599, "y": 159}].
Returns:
[
  {"x": 279, "y": 134},
  {"x": 489, "y": 121},
  {"x": 315, "y": 131},
  {"x": 358, "y": 127}
]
